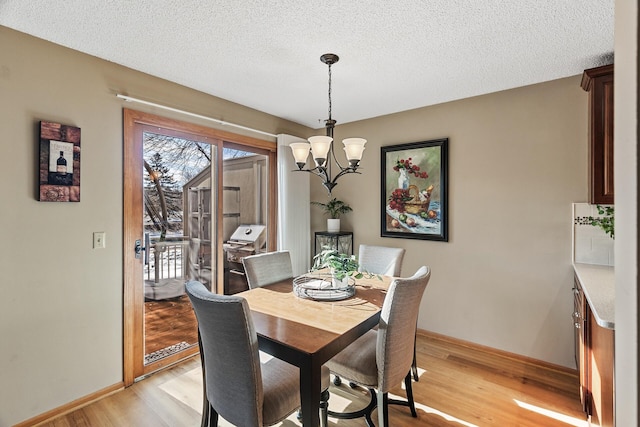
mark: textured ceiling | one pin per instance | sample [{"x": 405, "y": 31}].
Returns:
[{"x": 395, "y": 55}]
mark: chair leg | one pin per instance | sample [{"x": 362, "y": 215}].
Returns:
[
  {"x": 409, "y": 402},
  {"x": 365, "y": 412},
  {"x": 409, "y": 389},
  {"x": 324, "y": 408},
  {"x": 382, "y": 402},
  {"x": 206, "y": 407},
  {"x": 383, "y": 409},
  {"x": 414, "y": 365},
  {"x": 205, "y": 414},
  {"x": 370, "y": 408},
  {"x": 212, "y": 420}
]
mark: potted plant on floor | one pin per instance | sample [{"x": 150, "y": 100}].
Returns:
[{"x": 334, "y": 208}]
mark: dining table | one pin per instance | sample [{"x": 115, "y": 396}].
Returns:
[{"x": 307, "y": 332}]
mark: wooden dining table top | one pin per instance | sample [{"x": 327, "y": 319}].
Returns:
[{"x": 309, "y": 325}]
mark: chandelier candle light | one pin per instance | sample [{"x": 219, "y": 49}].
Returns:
[{"x": 321, "y": 146}]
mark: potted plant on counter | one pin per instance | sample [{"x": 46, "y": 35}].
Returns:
[
  {"x": 607, "y": 221},
  {"x": 334, "y": 208}
]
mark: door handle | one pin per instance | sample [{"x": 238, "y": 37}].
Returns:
[{"x": 138, "y": 249}]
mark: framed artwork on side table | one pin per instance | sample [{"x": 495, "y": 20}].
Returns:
[
  {"x": 59, "y": 177},
  {"x": 414, "y": 190}
]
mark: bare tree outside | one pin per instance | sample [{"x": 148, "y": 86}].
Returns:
[
  {"x": 162, "y": 197},
  {"x": 170, "y": 162},
  {"x": 185, "y": 157}
]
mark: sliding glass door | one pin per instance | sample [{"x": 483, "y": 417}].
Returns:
[{"x": 177, "y": 216}]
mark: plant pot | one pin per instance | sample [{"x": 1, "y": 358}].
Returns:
[
  {"x": 333, "y": 225},
  {"x": 339, "y": 283}
]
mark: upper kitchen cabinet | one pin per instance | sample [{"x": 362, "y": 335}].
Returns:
[{"x": 599, "y": 83}]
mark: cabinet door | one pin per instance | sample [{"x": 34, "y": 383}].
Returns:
[
  {"x": 599, "y": 83},
  {"x": 601, "y": 374},
  {"x": 582, "y": 344}
]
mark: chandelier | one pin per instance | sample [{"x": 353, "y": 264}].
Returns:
[{"x": 321, "y": 146}]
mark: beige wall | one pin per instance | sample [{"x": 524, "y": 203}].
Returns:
[
  {"x": 61, "y": 301},
  {"x": 517, "y": 160}
]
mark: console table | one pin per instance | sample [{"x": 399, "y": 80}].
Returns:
[{"x": 342, "y": 241}]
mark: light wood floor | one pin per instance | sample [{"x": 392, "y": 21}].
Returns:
[{"x": 460, "y": 385}]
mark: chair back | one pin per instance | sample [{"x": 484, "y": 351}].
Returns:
[
  {"x": 397, "y": 328},
  {"x": 233, "y": 377},
  {"x": 264, "y": 269},
  {"x": 381, "y": 260}
]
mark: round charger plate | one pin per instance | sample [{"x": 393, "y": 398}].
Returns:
[{"x": 319, "y": 287}]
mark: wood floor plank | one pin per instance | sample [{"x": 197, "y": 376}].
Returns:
[
  {"x": 460, "y": 386},
  {"x": 169, "y": 322}
]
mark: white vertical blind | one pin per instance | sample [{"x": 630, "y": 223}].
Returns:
[{"x": 294, "y": 226}]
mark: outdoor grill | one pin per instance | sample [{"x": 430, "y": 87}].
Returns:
[{"x": 246, "y": 240}]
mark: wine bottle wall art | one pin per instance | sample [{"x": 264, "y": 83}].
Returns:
[{"x": 59, "y": 163}]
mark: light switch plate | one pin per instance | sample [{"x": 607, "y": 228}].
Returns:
[{"x": 99, "y": 240}]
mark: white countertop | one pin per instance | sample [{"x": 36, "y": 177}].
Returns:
[{"x": 598, "y": 284}]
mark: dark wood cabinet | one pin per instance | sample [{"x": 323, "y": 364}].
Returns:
[
  {"x": 601, "y": 362},
  {"x": 595, "y": 362},
  {"x": 581, "y": 345},
  {"x": 599, "y": 83}
]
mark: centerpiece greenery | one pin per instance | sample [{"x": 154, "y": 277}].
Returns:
[
  {"x": 341, "y": 265},
  {"x": 607, "y": 222}
]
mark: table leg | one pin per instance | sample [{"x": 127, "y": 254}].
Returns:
[{"x": 310, "y": 384}]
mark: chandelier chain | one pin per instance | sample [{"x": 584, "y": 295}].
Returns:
[{"x": 329, "y": 91}]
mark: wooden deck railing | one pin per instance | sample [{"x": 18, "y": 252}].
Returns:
[{"x": 167, "y": 260}]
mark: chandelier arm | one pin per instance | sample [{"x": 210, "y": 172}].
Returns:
[
  {"x": 317, "y": 171},
  {"x": 330, "y": 125},
  {"x": 335, "y": 159},
  {"x": 344, "y": 171}
]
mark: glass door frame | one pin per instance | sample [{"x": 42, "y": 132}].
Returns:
[{"x": 133, "y": 295}]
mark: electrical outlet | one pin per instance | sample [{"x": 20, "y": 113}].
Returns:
[{"x": 99, "y": 240}]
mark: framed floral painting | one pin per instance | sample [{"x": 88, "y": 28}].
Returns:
[{"x": 414, "y": 190}]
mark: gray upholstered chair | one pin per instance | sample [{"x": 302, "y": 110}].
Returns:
[
  {"x": 236, "y": 385},
  {"x": 270, "y": 267},
  {"x": 381, "y": 259},
  {"x": 388, "y": 261},
  {"x": 381, "y": 359}
]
